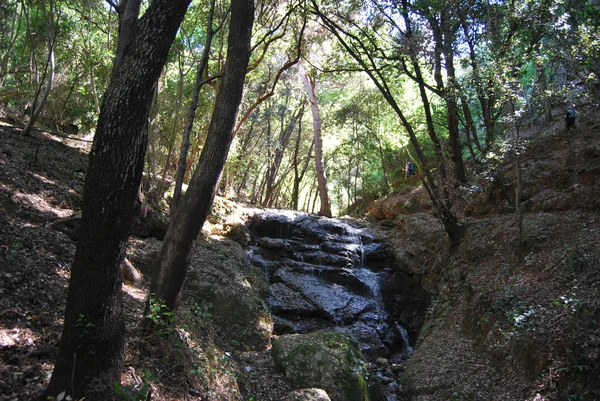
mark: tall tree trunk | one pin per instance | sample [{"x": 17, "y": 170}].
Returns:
[
  {"x": 171, "y": 266},
  {"x": 189, "y": 124},
  {"x": 543, "y": 86},
  {"x": 310, "y": 84},
  {"x": 519, "y": 186},
  {"x": 470, "y": 124},
  {"x": 453, "y": 127},
  {"x": 299, "y": 173},
  {"x": 284, "y": 139},
  {"x": 486, "y": 100},
  {"x": 38, "y": 105},
  {"x": 382, "y": 157},
  {"x": 129, "y": 11},
  {"x": 91, "y": 350},
  {"x": 14, "y": 34}
]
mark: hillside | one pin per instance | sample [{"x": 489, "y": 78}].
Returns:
[
  {"x": 509, "y": 322},
  {"x": 505, "y": 322}
]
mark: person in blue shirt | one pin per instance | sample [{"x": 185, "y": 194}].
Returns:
[
  {"x": 570, "y": 117},
  {"x": 409, "y": 168}
]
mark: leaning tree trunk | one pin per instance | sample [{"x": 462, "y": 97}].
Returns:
[
  {"x": 189, "y": 124},
  {"x": 310, "y": 84},
  {"x": 91, "y": 350},
  {"x": 171, "y": 266}
]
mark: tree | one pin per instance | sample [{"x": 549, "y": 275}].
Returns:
[
  {"x": 171, "y": 266},
  {"x": 360, "y": 47},
  {"x": 92, "y": 345},
  {"x": 310, "y": 85},
  {"x": 200, "y": 82},
  {"x": 38, "y": 104}
]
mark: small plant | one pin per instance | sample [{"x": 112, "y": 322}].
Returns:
[
  {"x": 202, "y": 310},
  {"x": 138, "y": 392},
  {"x": 160, "y": 315},
  {"x": 567, "y": 302}
]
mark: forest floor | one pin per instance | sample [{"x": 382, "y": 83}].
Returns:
[{"x": 507, "y": 322}]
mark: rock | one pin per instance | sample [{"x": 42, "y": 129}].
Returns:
[
  {"x": 284, "y": 301},
  {"x": 131, "y": 275},
  {"x": 274, "y": 224},
  {"x": 149, "y": 223},
  {"x": 273, "y": 243},
  {"x": 327, "y": 259},
  {"x": 382, "y": 363},
  {"x": 240, "y": 234},
  {"x": 415, "y": 201},
  {"x": 68, "y": 225},
  {"x": 375, "y": 251},
  {"x": 334, "y": 301},
  {"x": 308, "y": 394},
  {"x": 143, "y": 252},
  {"x": 220, "y": 278},
  {"x": 368, "y": 337},
  {"x": 327, "y": 360}
]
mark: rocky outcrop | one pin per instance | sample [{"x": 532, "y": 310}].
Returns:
[
  {"x": 415, "y": 201},
  {"x": 315, "y": 268},
  {"x": 333, "y": 278}
]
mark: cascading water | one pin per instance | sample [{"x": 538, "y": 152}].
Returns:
[
  {"x": 320, "y": 280},
  {"x": 371, "y": 281}
]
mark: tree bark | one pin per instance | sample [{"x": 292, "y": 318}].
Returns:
[
  {"x": 92, "y": 345},
  {"x": 129, "y": 11},
  {"x": 171, "y": 266},
  {"x": 310, "y": 84}
]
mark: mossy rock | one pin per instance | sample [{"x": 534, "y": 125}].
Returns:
[
  {"x": 220, "y": 278},
  {"x": 240, "y": 234},
  {"x": 328, "y": 360}
]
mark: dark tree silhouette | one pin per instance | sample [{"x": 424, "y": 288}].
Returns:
[
  {"x": 187, "y": 221},
  {"x": 91, "y": 349}
]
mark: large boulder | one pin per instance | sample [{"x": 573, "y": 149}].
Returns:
[
  {"x": 221, "y": 279},
  {"x": 414, "y": 201},
  {"x": 328, "y": 360}
]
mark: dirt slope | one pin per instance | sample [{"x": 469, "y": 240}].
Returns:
[{"x": 510, "y": 321}]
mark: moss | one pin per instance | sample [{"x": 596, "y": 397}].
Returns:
[
  {"x": 328, "y": 360},
  {"x": 356, "y": 388}
]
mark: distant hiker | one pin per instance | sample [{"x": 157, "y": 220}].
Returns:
[
  {"x": 409, "y": 169},
  {"x": 570, "y": 117}
]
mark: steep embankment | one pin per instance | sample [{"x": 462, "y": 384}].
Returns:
[{"x": 510, "y": 321}]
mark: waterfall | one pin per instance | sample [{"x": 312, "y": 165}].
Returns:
[
  {"x": 408, "y": 349},
  {"x": 370, "y": 280}
]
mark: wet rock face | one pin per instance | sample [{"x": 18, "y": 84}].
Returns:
[
  {"x": 315, "y": 267},
  {"x": 320, "y": 283}
]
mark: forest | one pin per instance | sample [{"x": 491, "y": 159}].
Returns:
[{"x": 314, "y": 106}]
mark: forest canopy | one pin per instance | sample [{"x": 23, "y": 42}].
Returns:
[{"x": 458, "y": 71}]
